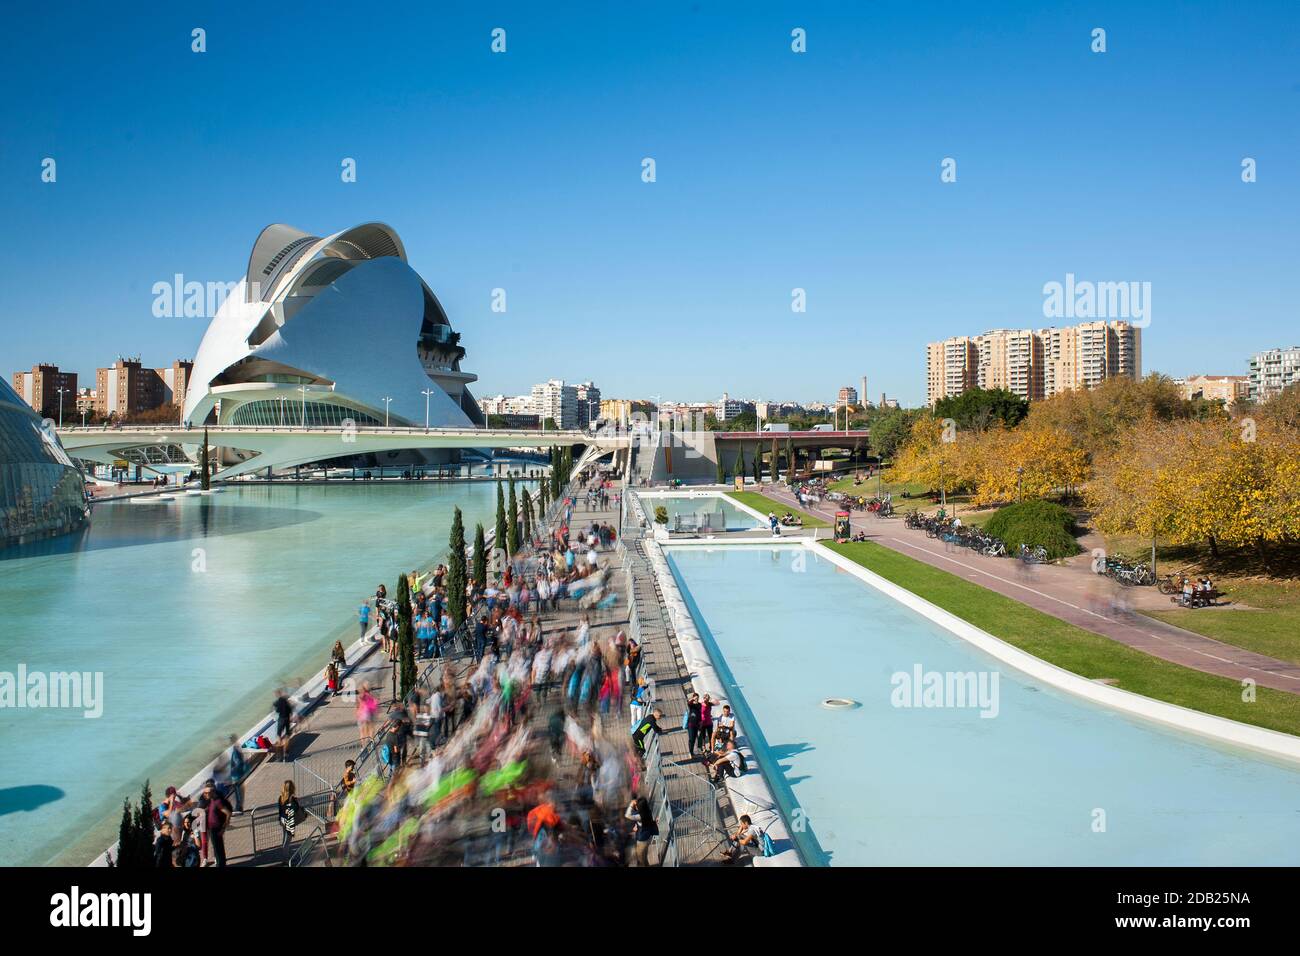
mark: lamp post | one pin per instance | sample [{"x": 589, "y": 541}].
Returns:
[
  {"x": 387, "y": 402},
  {"x": 1020, "y": 474},
  {"x": 61, "y": 390},
  {"x": 427, "y": 392}
]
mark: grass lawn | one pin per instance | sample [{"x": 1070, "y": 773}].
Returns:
[
  {"x": 1270, "y": 624},
  {"x": 1083, "y": 652},
  {"x": 763, "y": 504},
  {"x": 869, "y": 485}
]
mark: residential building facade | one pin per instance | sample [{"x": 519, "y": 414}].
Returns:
[
  {"x": 559, "y": 402},
  {"x": 1273, "y": 371},
  {"x": 1215, "y": 388},
  {"x": 1034, "y": 363},
  {"x": 47, "y": 390}
]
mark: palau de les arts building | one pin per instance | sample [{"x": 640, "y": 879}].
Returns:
[
  {"x": 42, "y": 491},
  {"x": 346, "y": 318}
]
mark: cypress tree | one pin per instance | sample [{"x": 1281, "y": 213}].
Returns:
[
  {"x": 528, "y": 515},
  {"x": 126, "y": 838},
  {"x": 405, "y": 639},
  {"x": 456, "y": 571},
  {"x": 142, "y": 845},
  {"x": 789, "y": 459},
  {"x": 512, "y": 520},
  {"x": 480, "y": 555},
  {"x": 205, "y": 479},
  {"x": 500, "y": 541},
  {"x": 722, "y": 478},
  {"x": 758, "y": 463},
  {"x": 740, "y": 461}
]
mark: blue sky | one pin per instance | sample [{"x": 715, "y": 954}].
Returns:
[{"x": 775, "y": 170}]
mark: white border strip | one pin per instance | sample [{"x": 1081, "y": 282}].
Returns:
[{"x": 1220, "y": 729}]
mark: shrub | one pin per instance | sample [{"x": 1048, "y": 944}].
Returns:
[
  {"x": 1037, "y": 524},
  {"x": 661, "y": 514}
]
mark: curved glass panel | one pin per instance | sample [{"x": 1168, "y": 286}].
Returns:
[
  {"x": 288, "y": 412},
  {"x": 42, "y": 493}
]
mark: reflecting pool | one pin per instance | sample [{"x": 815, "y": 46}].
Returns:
[
  {"x": 194, "y": 610},
  {"x": 1045, "y": 779}
]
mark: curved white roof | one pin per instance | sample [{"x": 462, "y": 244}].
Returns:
[{"x": 352, "y": 340}]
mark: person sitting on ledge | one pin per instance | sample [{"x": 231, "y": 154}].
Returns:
[{"x": 726, "y": 761}]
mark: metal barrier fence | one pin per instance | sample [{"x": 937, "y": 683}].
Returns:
[{"x": 691, "y": 828}]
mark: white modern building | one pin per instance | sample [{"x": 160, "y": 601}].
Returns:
[
  {"x": 323, "y": 331},
  {"x": 1273, "y": 371},
  {"x": 558, "y": 402}
]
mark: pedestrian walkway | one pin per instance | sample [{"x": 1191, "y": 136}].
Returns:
[
  {"x": 326, "y": 734},
  {"x": 702, "y": 815},
  {"x": 1075, "y": 595}
]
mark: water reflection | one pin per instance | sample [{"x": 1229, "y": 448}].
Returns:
[{"x": 124, "y": 525}]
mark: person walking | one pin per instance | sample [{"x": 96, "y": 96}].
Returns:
[
  {"x": 283, "y": 723},
  {"x": 363, "y": 613},
  {"x": 644, "y": 829},
  {"x": 367, "y": 707},
  {"x": 290, "y": 812},
  {"x": 216, "y": 816},
  {"x": 238, "y": 768}
]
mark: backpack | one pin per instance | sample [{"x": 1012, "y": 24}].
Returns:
[
  {"x": 744, "y": 765},
  {"x": 766, "y": 841}
]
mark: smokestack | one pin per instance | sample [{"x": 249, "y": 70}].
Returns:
[{"x": 862, "y": 395}]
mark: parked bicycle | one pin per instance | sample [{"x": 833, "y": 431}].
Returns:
[
  {"x": 1130, "y": 575},
  {"x": 1034, "y": 555},
  {"x": 1172, "y": 583}
]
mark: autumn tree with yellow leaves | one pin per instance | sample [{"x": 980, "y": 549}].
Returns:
[
  {"x": 996, "y": 464},
  {"x": 1218, "y": 483}
]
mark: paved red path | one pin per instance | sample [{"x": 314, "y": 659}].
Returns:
[{"x": 1077, "y": 596}]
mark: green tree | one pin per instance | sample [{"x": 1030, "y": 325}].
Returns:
[
  {"x": 512, "y": 521},
  {"x": 142, "y": 844},
  {"x": 405, "y": 637},
  {"x": 891, "y": 430},
  {"x": 789, "y": 458},
  {"x": 456, "y": 570},
  {"x": 758, "y": 462},
  {"x": 979, "y": 409},
  {"x": 722, "y": 477},
  {"x": 126, "y": 839},
  {"x": 528, "y": 515},
  {"x": 739, "y": 469},
  {"x": 499, "y": 535},
  {"x": 205, "y": 477},
  {"x": 480, "y": 554}
]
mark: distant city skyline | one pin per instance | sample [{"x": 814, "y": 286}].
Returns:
[{"x": 781, "y": 178}]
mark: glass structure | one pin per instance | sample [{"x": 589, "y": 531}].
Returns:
[
  {"x": 42, "y": 491},
  {"x": 286, "y": 412}
]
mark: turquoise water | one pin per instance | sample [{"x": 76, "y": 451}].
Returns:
[
  {"x": 195, "y": 610},
  {"x": 733, "y": 518},
  {"x": 880, "y": 784}
]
